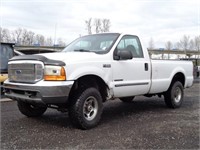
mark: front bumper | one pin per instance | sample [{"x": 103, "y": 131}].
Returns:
[{"x": 42, "y": 92}]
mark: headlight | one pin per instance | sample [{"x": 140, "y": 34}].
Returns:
[{"x": 54, "y": 73}]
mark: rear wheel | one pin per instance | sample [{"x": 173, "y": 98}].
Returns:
[
  {"x": 127, "y": 99},
  {"x": 30, "y": 110},
  {"x": 86, "y": 108},
  {"x": 174, "y": 95}
]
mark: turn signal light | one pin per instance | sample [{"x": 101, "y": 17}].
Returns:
[{"x": 54, "y": 73}]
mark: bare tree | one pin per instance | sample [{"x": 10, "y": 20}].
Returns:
[
  {"x": 30, "y": 39},
  {"x": 100, "y": 25},
  {"x": 5, "y": 35},
  {"x": 185, "y": 42},
  {"x": 169, "y": 45},
  {"x": 105, "y": 25},
  {"x": 1, "y": 35},
  {"x": 16, "y": 34},
  {"x": 191, "y": 45},
  {"x": 197, "y": 43},
  {"x": 89, "y": 25},
  {"x": 151, "y": 44},
  {"x": 61, "y": 43},
  {"x": 49, "y": 42},
  {"x": 177, "y": 46},
  {"x": 39, "y": 39},
  {"x": 24, "y": 37},
  {"x": 97, "y": 24}
]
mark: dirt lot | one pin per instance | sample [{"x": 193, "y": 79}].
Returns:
[{"x": 144, "y": 124}]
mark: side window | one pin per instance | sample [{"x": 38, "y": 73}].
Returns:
[{"x": 131, "y": 43}]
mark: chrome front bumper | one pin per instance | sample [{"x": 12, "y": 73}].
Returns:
[{"x": 42, "y": 92}]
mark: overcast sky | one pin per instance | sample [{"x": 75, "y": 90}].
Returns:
[{"x": 163, "y": 20}]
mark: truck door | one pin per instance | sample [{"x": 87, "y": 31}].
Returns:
[{"x": 130, "y": 76}]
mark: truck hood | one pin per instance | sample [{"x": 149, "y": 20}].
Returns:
[{"x": 70, "y": 57}]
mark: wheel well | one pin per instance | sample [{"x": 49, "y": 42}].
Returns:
[
  {"x": 179, "y": 77},
  {"x": 90, "y": 81}
]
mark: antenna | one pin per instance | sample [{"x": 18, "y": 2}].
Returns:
[{"x": 55, "y": 34}]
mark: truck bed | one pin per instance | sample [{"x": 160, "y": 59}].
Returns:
[{"x": 164, "y": 70}]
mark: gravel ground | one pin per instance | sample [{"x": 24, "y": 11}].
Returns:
[{"x": 144, "y": 124}]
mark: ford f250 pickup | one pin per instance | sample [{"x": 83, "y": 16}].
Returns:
[{"x": 91, "y": 70}]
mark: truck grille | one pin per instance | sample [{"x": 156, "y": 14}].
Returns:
[{"x": 25, "y": 72}]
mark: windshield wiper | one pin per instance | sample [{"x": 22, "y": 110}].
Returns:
[{"x": 82, "y": 50}]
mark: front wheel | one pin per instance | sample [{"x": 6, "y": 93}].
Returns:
[
  {"x": 30, "y": 110},
  {"x": 174, "y": 95},
  {"x": 86, "y": 108}
]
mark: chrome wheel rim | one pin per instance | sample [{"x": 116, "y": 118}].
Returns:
[
  {"x": 177, "y": 94},
  {"x": 90, "y": 108}
]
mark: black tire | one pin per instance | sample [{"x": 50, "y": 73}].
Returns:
[
  {"x": 86, "y": 108},
  {"x": 2, "y": 90},
  {"x": 127, "y": 99},
  {"x": 30, "y": 110},
  {"x": 174, "y": 95}
]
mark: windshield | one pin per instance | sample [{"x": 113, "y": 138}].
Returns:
[{"x": 98, "y": 43}]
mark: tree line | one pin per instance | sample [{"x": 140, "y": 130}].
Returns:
[
  {"x": 22, "y": 36},
  {"x": 185, "y": 43}
]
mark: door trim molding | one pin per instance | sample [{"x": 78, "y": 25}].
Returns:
[{"x": 131, "y": 84}]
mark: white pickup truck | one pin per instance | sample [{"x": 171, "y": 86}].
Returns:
[{"x": 91, "y": 70}]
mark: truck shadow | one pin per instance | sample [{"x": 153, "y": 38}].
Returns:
[
  {"x": 117, "y": 111},
  {"x": 55, "y": 118},
  {"x": 113, "y": 110}
]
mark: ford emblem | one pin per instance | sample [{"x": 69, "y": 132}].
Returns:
[{"x": 18, "y": 71}]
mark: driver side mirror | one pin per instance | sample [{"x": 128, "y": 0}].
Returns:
[{"x": 122, "y": 54}]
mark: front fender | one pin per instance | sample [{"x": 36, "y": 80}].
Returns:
[{"x": 104, "y": 74}]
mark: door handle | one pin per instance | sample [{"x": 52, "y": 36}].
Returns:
[{"x": 146, "y": 66}]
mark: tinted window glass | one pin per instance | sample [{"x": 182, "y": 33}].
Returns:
[
  {"x": 98, "y": 43},
  {"x": 131, "y": 43}
]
